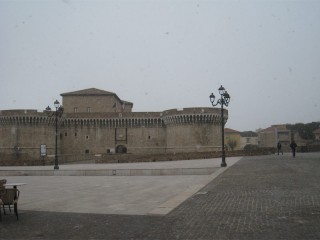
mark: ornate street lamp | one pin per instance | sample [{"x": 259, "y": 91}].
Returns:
[
  {"x": 58, "y": 113},
  {"x": 223, "y": 101}
]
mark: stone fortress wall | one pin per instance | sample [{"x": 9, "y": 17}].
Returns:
[{"x": 83, "y": 130}]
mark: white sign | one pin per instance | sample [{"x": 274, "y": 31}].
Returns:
[{"x": 43, "y": 150}]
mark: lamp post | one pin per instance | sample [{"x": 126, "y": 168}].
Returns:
[
  {"x": 223, "y": 101},
  {"x": 58, "y": 113}
]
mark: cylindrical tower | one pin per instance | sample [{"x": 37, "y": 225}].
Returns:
[
  {"x": 23, "y": 131},
  {"x": 193, "y": 129}
]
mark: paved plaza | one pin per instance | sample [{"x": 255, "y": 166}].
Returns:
[
  {"x": 136, "y": 188},
  {"x": 265, "y": 197}
]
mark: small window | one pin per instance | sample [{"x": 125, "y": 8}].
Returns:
[
  {"x": 75, "y": 134},
  {"x": 88, "y": 109},
  {"x": 75, "y": 109},
  {"x": 87, "y": 151},
  {"x": 65, "y": 134},
  {"x": 87, "y": 137}
]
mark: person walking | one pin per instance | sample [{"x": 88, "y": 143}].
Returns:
[
  {"x": 279, "y": 148},
  {"x": 293, "y": 146}
]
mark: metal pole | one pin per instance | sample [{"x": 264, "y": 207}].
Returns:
[
  {"x": 56, "y": 166},
  {"x": 223, "y": 156}
]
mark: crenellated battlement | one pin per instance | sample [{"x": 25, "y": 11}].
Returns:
[
  {"x": 126, "y": 119},
  {"x": 192, "y": 116},
  {"x": 114, "y": 122},
  {"x": 26, "y": 117},
  {"x": 192, "y": 119}
]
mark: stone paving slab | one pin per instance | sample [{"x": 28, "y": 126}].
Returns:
[
  {"x": 198, "y": 163},
  {"x": 110, "y": 172},
  {"x": 267, "y": 197},
  {"x": 184, "y": 167},
  {"x": 128, "y": 194}
]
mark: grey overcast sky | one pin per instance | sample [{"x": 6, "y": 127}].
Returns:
[{"x": 165, "y": 54}]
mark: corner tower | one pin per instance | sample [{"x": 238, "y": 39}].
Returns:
[{"x": 193, "y": 129}]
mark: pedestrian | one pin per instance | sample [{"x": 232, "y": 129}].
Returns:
[
  {"x": 293, "y": 146},
  {"x": 279, "y": 148}
]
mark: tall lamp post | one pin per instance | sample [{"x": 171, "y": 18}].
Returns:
[
  {"x": 223, "y": 101},
  {"x": 58, "y": 113}
]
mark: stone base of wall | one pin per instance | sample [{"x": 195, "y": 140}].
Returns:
[
  {"x": 27, "y": 160},
  {"x": 22, "y": 159},
  {"x": 131, "y": 158},
  {"x": 309, "y": 148}
]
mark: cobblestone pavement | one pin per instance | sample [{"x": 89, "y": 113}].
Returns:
[{"x": 268, "y": 197}]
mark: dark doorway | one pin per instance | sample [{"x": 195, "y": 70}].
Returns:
[{"x": 121, "y": 149}]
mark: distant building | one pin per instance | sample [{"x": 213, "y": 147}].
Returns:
[
  {"x": 99, "y": 122},
  {"x": 270, "y": 136},
  {"x": 236, "y": 140},
  {"x": 248, "y": 138},
  {"x": 317, "y": 134},
  {"x": 232, "y": 139},
  {"x": 282, "y": 133}
]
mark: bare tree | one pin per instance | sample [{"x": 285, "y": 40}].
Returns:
[{"x": 232, "y": 143}]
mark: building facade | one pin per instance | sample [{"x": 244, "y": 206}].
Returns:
[
  {"x": 248, "y": 138},
  {"x": 270, "y": 137},
  {"x": 236, "y": 140},
  {"x": 99, "y": 122},
  {"x": 282, "y": 133},
  {"x": 232, "y": 139}
]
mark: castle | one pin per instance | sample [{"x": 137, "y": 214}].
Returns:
[{"x": 99, "y": 122}]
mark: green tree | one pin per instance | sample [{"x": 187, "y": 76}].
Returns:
[{"x": 305, "y": 130}]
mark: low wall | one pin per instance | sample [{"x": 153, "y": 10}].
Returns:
[
  {"x": 129, "y": 158},
  {"x": 309, "y": 148},
  {"x": 27, "y": 160},
  {"x": 21, "y": 159}
]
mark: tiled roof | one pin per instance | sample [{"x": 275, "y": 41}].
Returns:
[
  {"x": 89, "y": 92},
  {"x": 282, "y": 127},
  {"x": 94, "y": 92},
  {"x": 126, "y": 102},
  {"x": 229, "y": 130},
  {"x": 248, "y": 134}
]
